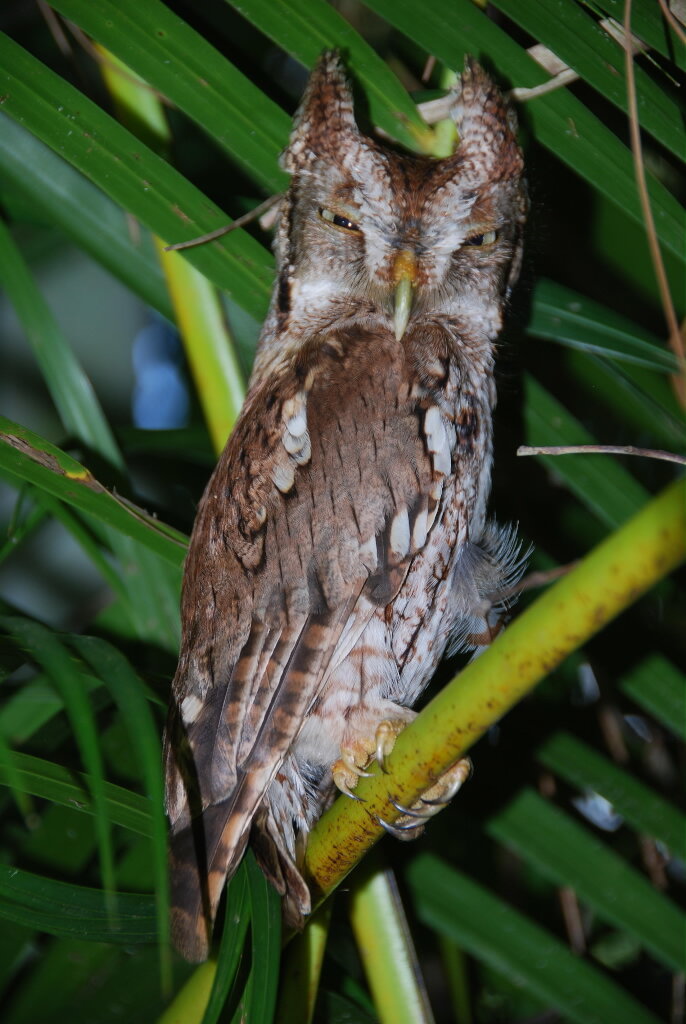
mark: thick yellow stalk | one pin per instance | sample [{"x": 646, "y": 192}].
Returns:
[
  {"x": 188, "y": 1005},
  {"x": 385, "y": 946},
  {"x": 209, "y": 350},
  {"x": 300, "y": 970}
]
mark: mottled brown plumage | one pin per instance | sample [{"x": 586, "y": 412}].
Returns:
[{"x": 342, "y": 542}]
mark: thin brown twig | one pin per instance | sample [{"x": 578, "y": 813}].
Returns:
[
  {"x": 571, "y": 914},
  {"x": 678, "y": 1000},
  {"x": 534, "y": 580},
  {"x": 653, "y": 862},
  {"x": 610, "y": 722},
  {"x": 601, "y": 449},
  {"x": 219, "y": 232},
  {"x": 55, "y": 28},
  {"x": 428, "y": 68},
  {"x": 523, "y": 94},
  {"x": 675, "y": 339},
  {"x": 672, "y": 21}
]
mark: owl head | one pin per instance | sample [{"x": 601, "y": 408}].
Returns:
[{"x": 370, "y": 235}]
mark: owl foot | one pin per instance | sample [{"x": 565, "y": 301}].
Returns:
[
  {"x": 357, "y": 754},
  {"x": 411, "y": 824},
  {"x": 351, "y": 766},
  {"x": 386, "y": 734}
]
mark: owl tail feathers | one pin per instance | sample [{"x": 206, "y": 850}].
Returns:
[{"x": 202, "y": 856}]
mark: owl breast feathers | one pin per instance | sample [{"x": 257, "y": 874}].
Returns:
[{"x": 342, "y": 542}]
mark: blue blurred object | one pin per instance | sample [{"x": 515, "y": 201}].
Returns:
[
  {"x": 599, "y": 811},
  {"x": 160, "y": 395}
]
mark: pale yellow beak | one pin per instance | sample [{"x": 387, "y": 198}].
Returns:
[{"x": 404, "y": 277}]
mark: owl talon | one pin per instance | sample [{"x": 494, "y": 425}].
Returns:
[
  {"x": 449, "y": 784},
  {"x": 353, "y": 796},
  {"x": 413, "y": 812},
  {"x": 386, "y": 734},
  {"x": 399, "y": 831},
  {"x": 346, "y": 773}
]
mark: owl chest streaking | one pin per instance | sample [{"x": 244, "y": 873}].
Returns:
[{"x": 342, "y": 542}]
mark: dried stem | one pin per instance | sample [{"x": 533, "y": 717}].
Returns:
[
  {"x": 601, "y": 449},
  {"x": 211, "y": 236},
  {"x": 672, "y": 22},
  {"x": 676, "y": 341}
]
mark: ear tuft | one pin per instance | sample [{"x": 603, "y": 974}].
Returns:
[
  {"x": 325, "y": 121},
  {"x": 486, "y": 126}
]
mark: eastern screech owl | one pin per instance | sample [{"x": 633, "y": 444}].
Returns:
[{"x": 342, "y": 542}]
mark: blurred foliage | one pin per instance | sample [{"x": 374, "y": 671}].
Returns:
[{"x": 554, "y": 887}]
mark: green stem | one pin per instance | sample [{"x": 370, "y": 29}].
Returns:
[
  {"x": 385, "y": 946},
  {"x": 197, "y": 308},
  {"x": 301, "y": 968}
]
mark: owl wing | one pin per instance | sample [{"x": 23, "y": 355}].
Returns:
[{"x": 306, "y": 528}]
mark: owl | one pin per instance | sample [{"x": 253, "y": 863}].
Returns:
[{"x": 342, "y": 542}]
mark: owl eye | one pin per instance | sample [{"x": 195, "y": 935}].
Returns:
[
  {"x": 487, "y": 238},
  {"x": 335, "y": 218}
]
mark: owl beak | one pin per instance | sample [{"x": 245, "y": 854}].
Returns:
[{"x": 404, "y": 277}]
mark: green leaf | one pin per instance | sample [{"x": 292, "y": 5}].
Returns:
[
  {"x": 455, "y": 906},
  {"x": 25, "y": 521},
  {"x": 304, "y": 30},
  {"x": 560, "y": 314},
  {"x": 59, "y": 195},
  {"x": 44, "y": 646},
  {"x": 578, "y": 40},
  {"x": 128, "y": 693},
  {"x": 32, "y": 705},
  {"x": 236, "y": 921},
  {"x": 449, "y": 29},
  {"x": 9, "y": 771},
  {"x": 658, "y": 687},
  {"x": 24, "y": 456},
  {"x": 59, "y": 908},
  {"x": 642, "y": 807},
  {"x": 265, "y": 918},
  {"x": 569, "y": 855},
  {"x": 71, "y": 390},
  {"x": 84, "y": 983},
  {"x": 132, "y": 175},
  {"x": 177, "y": 61},
  {"x": 152, "y": 596},
  {"x": 648, "y": 26},
  {"x": 61, "y": 785},
  {"x": 641, "y": 400},
  {"x": 88, "y": 545}
]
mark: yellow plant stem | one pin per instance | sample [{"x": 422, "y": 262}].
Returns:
[
  {"x": 189, "y": 1003},
  {"x": 385, "y": 946},
  {"x": 199, "y": 315},
  {"x": 137, "y": 105},
  {"x": 455, "y": 970},
  {"x": 609, "y": 579},
  {"x": 301, "y": 968},
  {"x": 208, "y": 346}
]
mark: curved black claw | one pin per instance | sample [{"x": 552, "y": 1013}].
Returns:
[
  {"x": 395, "y": 830},
  {"x": 434, "y": 803},
  {"x": 412, "y": 812}
]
